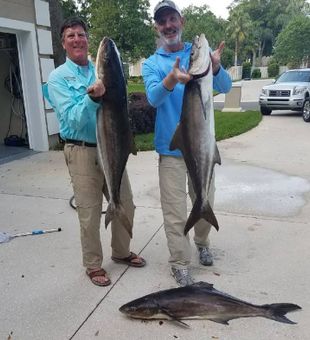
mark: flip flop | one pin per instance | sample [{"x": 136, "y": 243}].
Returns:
[
  {"x": 128, "y": 260},
  {"x": 98, "y": 273}
]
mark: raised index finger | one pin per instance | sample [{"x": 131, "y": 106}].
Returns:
[{"x": 221, "y": 47}]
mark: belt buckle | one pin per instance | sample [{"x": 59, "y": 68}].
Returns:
[{"x": 83, "y": 143}]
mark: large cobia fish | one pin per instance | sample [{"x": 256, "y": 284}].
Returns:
[
  {"x": 202, "y": 301},
  {"x": 195, "y": 134},
  {"x": 114, "y": 136}
]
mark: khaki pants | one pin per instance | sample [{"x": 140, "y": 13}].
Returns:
[
  {"x": 88, "y": 182},
  {"x": 173, "y": 195}
]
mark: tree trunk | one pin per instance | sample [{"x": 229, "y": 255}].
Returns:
[
  {"x": 254, "y": 57},
  {"x": 56, "y": 17},
  {"x": 236, "y": 53}
]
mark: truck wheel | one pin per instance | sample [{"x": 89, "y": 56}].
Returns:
[
  {"x": 306, "y": 110},
  {"x": 265, "y": 111}
]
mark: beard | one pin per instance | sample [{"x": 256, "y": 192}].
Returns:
[{"x": 172, "y": 41}]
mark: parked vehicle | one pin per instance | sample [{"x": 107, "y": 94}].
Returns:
[{"x": 291, "y": 91}]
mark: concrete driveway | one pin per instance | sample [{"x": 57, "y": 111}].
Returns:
[{"x": 261, "y": 251}]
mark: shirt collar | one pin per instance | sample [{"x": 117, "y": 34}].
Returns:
[
  {"x": 162, "y": 51},
  {"x": 75, "y": 67}
]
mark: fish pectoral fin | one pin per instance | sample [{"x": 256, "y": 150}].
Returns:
[
  {"x": 177, "y": 141},
  {"x": 109, "y": 215},
  {"x": 105, "y": 191},
  {"x": 218, "y": 320},
  {"x": 217, "y": 157},
  {"x": 165, "y": 311}
]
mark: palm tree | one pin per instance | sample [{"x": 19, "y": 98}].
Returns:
[{"x": 238, "y": 27}]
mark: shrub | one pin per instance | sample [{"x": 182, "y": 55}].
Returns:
[
  {"x": 273, "y": 69},
  {"x": 136, "y": 79},
  {"x": 141, "y": 113},
  {"x": 246, "y": 70},
  {"x": 256, "y": 74}
]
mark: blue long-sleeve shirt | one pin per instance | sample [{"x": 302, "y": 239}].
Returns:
[
  {"x": 66, "y": 91},
  {"x": 169, "y": 103}
]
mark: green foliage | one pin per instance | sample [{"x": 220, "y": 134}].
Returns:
[
  {"x": 293, "y": 43},
  {"x": 127, "y": 22},
  {"x": 69, "y": 8},
  {"x": 227, "y": 59},
  {"x": 246, "y": 70},
  {"x": 136, "y": 79},
  {"x": 273, "y": 69},
  {"x": 268, "y": 18},
  {"x": 201, "y": 20},
  {"x": 256, "y": 74},
  {"x": 239, "y": 25}
]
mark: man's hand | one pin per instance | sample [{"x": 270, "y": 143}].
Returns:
[
  {"x": 177, "y": 75},
  {"x": 180, "y": 75},
  {"x": 216, "y": 57},
  {"x": 96, "y": 90}
]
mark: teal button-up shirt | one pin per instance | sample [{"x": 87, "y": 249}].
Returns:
[{"x": 66, "y": 91}]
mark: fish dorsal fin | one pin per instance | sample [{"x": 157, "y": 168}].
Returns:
[
  {"x": 203, "y": 284},
  {"x": 218, "y": 320},
  {"x": 165, "y": 311},
  {"x": 177, "y": 141}
]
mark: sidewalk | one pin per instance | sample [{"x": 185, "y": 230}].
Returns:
[{"x": 261, "y": 251}]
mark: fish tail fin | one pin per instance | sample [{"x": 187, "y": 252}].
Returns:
[
  {"x": 200, "y": 210},
  {"x": 277, "y": 311},
  {"x": 119, "y": 212}
]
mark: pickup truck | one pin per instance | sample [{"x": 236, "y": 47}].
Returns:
[{"x": 291, "y": 91}]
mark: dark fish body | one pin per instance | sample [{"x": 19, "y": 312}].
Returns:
[
  {"x": 114, "y": 136},
  {"x": 195, "y": 134},
  {"x": 202, "y": 301}
]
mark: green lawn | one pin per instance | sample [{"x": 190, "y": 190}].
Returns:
[
  {"x": 228, "y": 124},
  {"x": 135, "y": 87}
]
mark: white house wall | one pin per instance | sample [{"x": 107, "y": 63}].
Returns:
[
  {"x": 30, "y": 21},
  {"x": 42, "y": 13},
  {"x": 46, "y": 61}
]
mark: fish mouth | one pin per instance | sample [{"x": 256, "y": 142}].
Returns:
[
  {"x": 104, "y": 48},
  {"x": 200, "y": 61}
]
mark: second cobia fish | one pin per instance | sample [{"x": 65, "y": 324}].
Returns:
[
  {"x": 114, "y": 136},
  {"x": 202, "y": 301},
  {"x": 195, "y": 134}
]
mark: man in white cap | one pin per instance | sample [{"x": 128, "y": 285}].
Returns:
[{"x": 165, "y": 76}]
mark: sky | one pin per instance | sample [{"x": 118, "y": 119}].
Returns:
[{"x": 218, "y": 7}]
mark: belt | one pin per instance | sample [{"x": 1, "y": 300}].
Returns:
[{"x": 80, "y": 143}]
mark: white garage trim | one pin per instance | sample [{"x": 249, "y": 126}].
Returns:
[{"x": 31, "y": 81}]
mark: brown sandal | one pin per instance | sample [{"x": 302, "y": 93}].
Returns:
[
  {"x": 98, "y": 273},
  {"x": 128, "y": 260}
]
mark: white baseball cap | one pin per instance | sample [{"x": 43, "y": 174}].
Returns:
[{"x": 163, "y": 5}]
